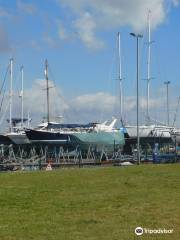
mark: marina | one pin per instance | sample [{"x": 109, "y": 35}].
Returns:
[
  {"x": 113, "y": 140},
  {"x": 86, "y": 144},
  {"x": 89, "y": 120},
  {"x": 71, "y": 144}
]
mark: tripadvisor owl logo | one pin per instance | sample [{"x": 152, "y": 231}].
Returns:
[{"x": 139, "y": 231}]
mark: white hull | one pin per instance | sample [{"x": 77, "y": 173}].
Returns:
[
  {"x": 149, "y": 131},
  {"x": 19, "y": 138},
  {"x": 176, "y": 137},
  {"x": 144, "y": 131}
]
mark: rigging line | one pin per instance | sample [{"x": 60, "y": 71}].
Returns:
[
  {"x": 55, "y": 85},
  {"x": 2, "y": 100},
  {"x": 2, "y": 118},
  {"x": 111, "y": 72},
  {"x": 114, "y": 65},
  {"x": 61, "y": 97},
  {"x": 175, "y": 115},
  {"x": 4, "y": 80},
  {"x": 141, "y": 65},
  {"x": 16, "y": 81}
]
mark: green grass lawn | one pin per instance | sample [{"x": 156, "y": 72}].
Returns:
[{"x": 90, "y": 203}]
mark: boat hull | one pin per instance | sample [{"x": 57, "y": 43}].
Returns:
[
  {"x": 19, "y": 138},
  {"x": 108, "y": 141},
  {"x": 176, "y": 137},
  {"x": 46, "y": 137},
  {"x": 5, "y": 140},
  {"x": 151, "y": 131}
]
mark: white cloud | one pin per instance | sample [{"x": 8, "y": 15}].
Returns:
[
  {"x": 92, "y": 102},
  {"x": 85, "y": 108},
  {"x": 91, "y": 107},
  {"x": 35, "y": 100},
  {"x": 28, "y": 8},
  {"x": 92, "y": 16},
  {"x": 102, "y": 106},
  {"x": 83, "y": 28},
  {"x": 117, "y": 13},
  {"x": 153, "y": 103},
  {"x": 86, "y": 27}
]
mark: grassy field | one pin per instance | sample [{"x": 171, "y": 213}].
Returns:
[{"x": 90, "y": 203}]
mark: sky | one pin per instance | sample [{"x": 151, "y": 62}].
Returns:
[{"x": 79, "y": 40}]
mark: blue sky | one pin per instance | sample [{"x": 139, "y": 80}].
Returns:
[{"x": 79, "y": 40}]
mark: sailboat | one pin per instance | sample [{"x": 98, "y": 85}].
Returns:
[
  {"x": 4, "y": 139},
  {"x": 150, "y": 132},
  {"x": 175, "y": 133},
  {"x": 98, "y": 135},
  {"x": 17, "y": 134},
  {"x": 45, "y": 133}
]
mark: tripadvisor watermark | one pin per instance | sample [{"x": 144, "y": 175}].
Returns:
[{"x": 140, "y": 231}]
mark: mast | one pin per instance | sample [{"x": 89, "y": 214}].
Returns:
[
  {"x": 47, "y": 88},
  {"x": 167, "y": 99},
  {"x": 22, "y": 95},
  {"x": 148, "y": 63},
  {"x": 120, "y": 74},
  {"x": 10, "y": 95}
]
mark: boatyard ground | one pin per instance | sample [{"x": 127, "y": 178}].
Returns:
[{"x": 90, "y": 203}]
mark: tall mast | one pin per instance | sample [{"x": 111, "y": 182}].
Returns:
[
  {"x": 120, "y": 74},
  {"x": 148, "y": 63},
  {"x": 167, "y": 99},
  {"x": 22, "y": 96},
  {"x": 10, "y": 95},
  {"x": 47, "y": 88}
]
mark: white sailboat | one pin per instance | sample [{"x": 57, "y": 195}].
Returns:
[
  {"x": 17, "y": 134},
  {"x": 175, "y": 133},
  {"x": 151, "y": 130}
]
